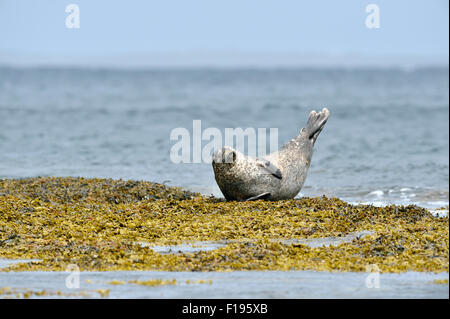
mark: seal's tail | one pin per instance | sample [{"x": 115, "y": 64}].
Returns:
[{"x": 316, "y": 122}]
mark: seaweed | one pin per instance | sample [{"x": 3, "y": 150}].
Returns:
[{"x": 98, "y": 224}]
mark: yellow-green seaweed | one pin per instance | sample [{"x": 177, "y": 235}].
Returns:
[
  {"x": 153, "y": 282},
  {"x": 98, "y": 224}
]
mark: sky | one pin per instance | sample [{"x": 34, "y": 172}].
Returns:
[{"x": 223, "y": 32}]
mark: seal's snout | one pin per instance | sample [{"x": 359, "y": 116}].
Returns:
[
  {"x": 316, "y": 122},
  {"x": 225, "y": 155}
]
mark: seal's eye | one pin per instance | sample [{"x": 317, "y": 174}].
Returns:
[{"x": 229, "y": 156}]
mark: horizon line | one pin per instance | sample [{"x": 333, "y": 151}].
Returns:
[{"x": 221, "y": 60}]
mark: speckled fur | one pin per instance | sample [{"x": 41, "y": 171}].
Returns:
[{"x": 244, "y": 178}]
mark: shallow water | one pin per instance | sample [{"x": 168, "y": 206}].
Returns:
[
  {"x": 186, "y": 247},
  {"x": 386, "y": 141},
  {"x": 237, "y": 284},
  {"x": 197, "y": 246}
]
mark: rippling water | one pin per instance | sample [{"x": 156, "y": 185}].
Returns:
[
  {"x": 386, "y": 141},
  {"x": 235, "y": 284}
]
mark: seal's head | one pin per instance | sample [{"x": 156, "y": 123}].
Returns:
[
  {"x": 224, "y": 160},
  {"x": 225, "y": 155}
]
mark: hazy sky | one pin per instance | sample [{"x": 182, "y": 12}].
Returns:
[{"x": 220, "y": 30}]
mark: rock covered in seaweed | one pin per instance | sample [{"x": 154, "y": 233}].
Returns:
[{"x": 99, "y": 223}]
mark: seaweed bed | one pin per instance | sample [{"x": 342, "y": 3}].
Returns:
[{"x": 98, "y": 224}]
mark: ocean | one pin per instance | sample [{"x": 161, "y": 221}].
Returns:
[{"x": 386, "y": 141}]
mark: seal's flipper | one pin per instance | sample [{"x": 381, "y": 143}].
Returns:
[
  {"x": 316, "y": 122},
  {"x": 268, "y": 166},
  {"x": 260, "y": 196}
]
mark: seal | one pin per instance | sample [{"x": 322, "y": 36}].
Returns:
[{"x": 280, "y": 175}]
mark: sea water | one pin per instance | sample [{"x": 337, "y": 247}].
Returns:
[{"x": 386, "y": 140}]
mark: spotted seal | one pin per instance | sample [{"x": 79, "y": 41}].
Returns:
[{"x": 280, "y": 175}]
